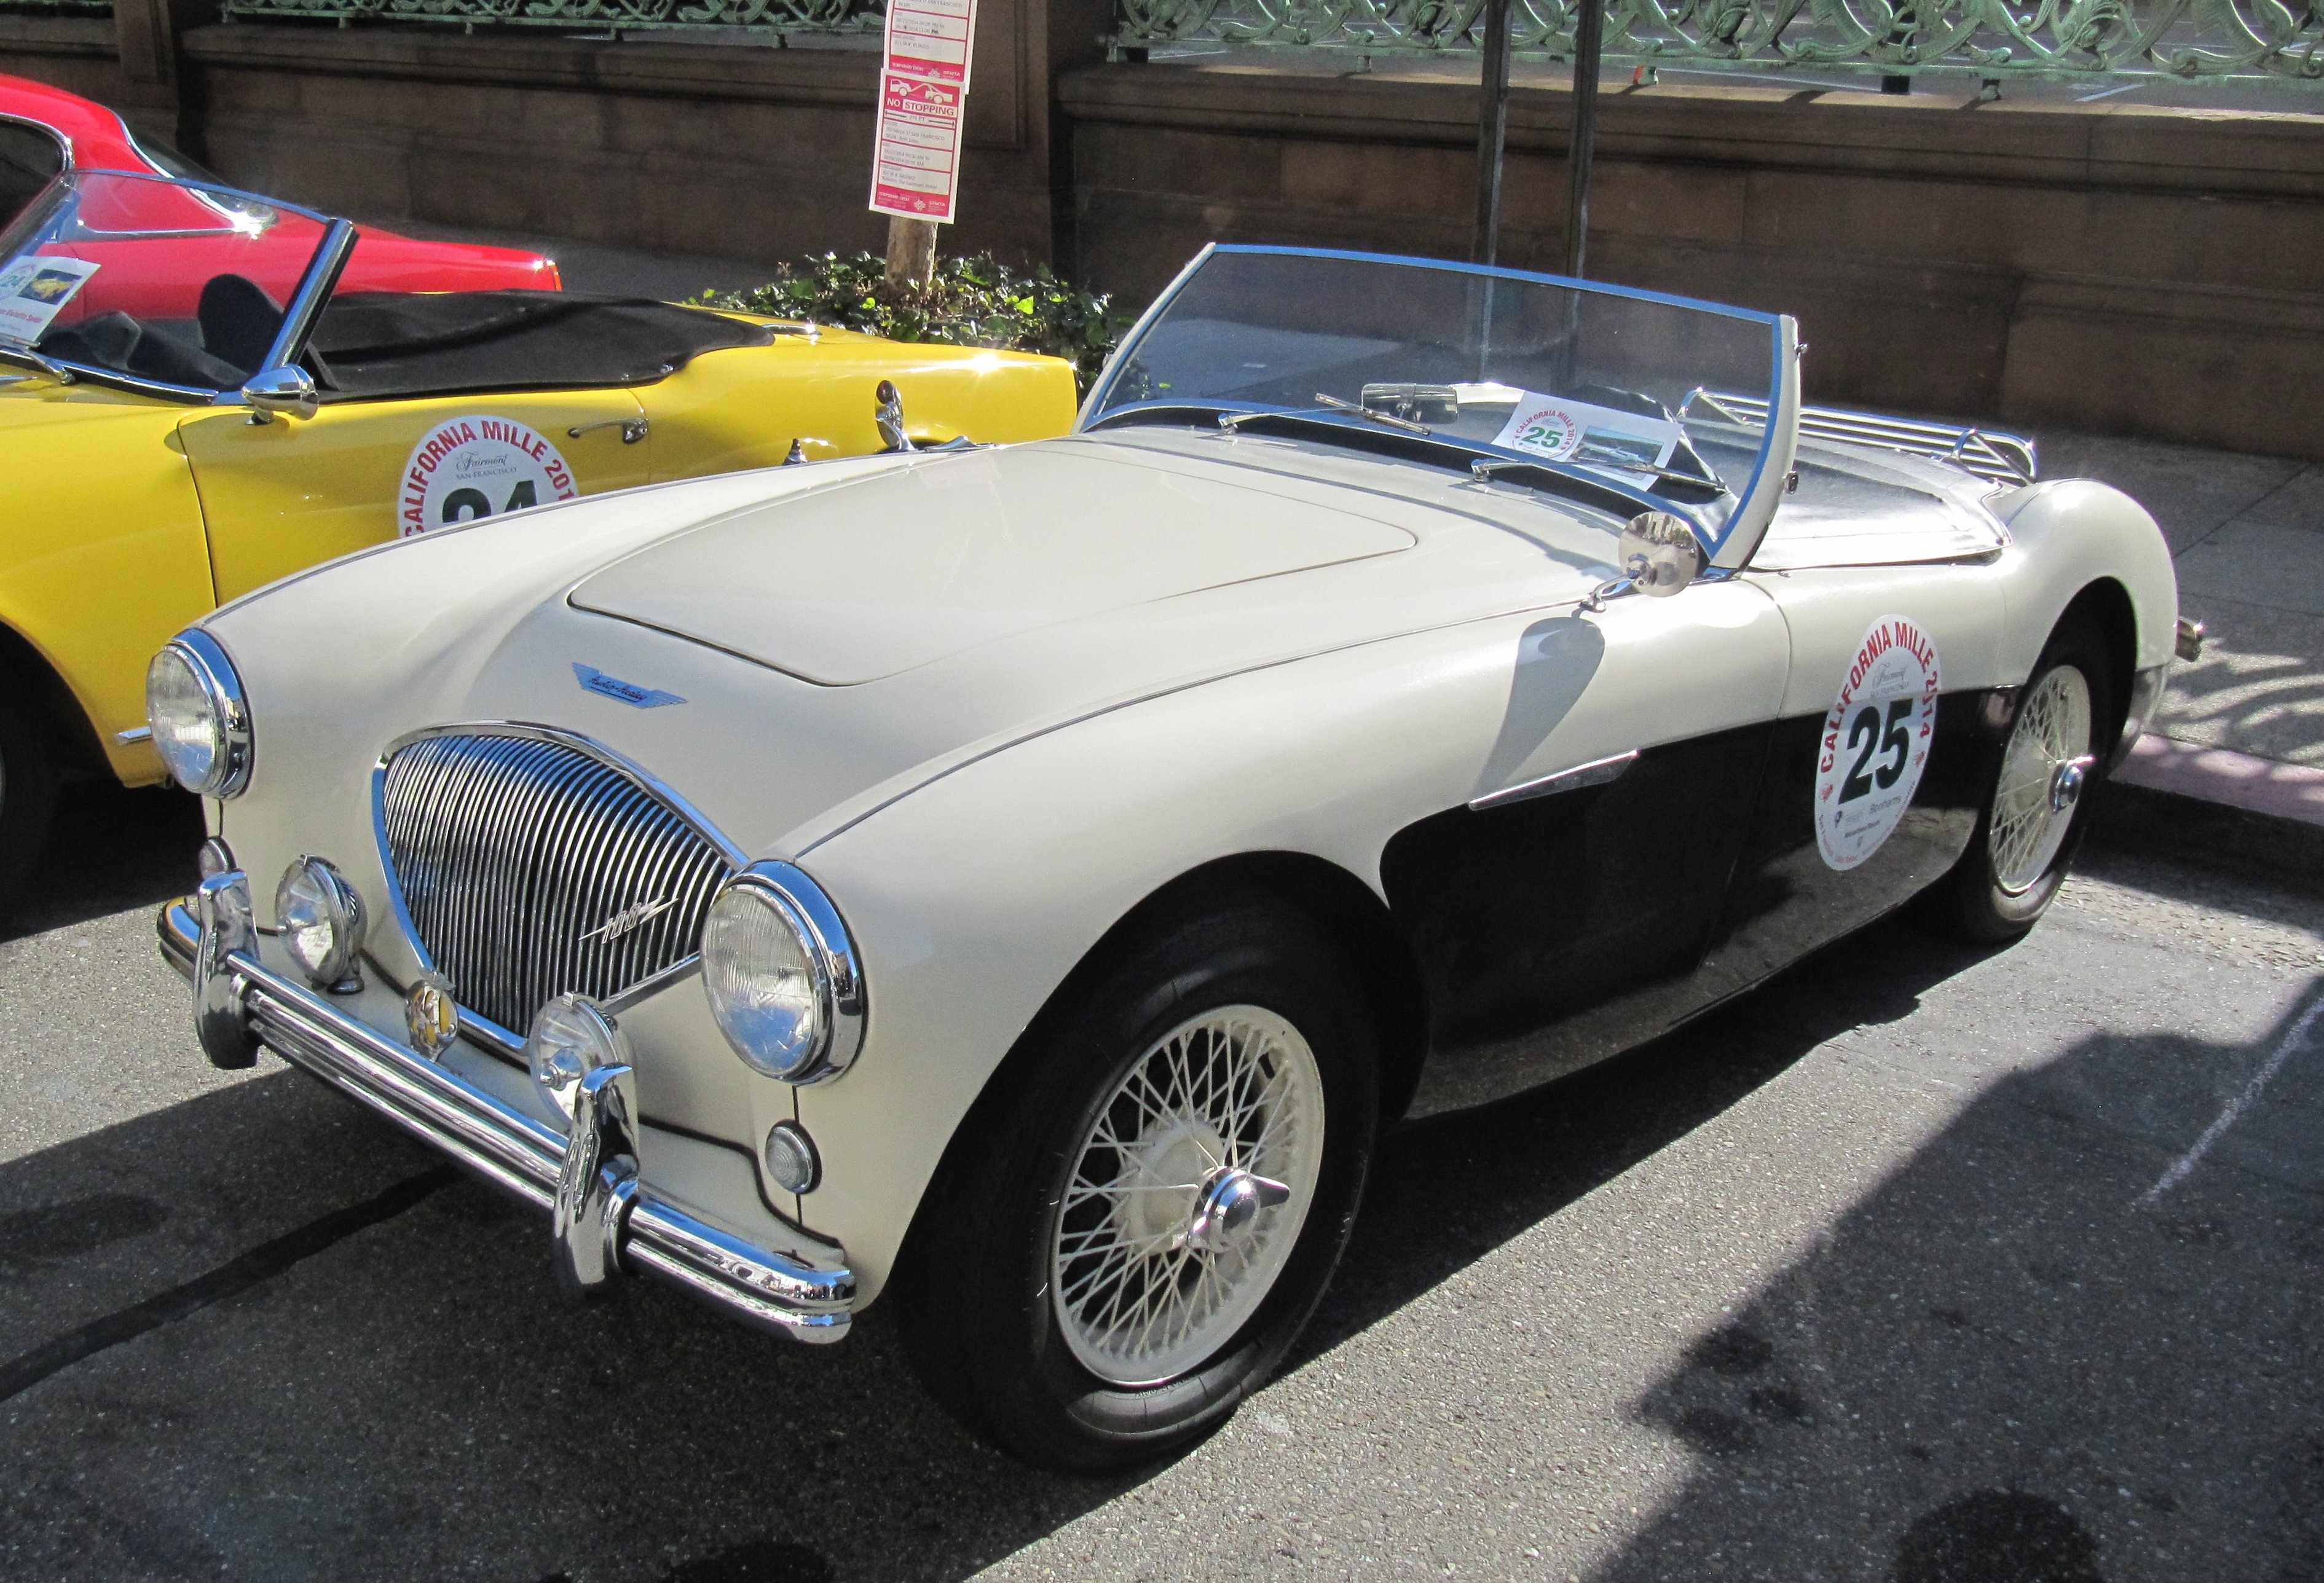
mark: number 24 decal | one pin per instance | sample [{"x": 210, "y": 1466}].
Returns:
[{"x": 1866, "y": 727}]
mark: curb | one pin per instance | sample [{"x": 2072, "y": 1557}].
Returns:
[{"x": 2214, "y": 807}]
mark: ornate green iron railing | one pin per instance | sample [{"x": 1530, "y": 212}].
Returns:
[
  {"x": 1991, "y": 40},
  {"x": 773, "y": 19}
]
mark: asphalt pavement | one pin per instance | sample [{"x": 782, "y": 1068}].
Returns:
[{"x": 1921, "y": 1265}]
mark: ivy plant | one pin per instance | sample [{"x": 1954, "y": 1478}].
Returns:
[{"x": 975, "y": 301}]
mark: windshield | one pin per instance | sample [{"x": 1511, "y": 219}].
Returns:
[
  {"x": 172, "y": 282},
  {"x": 1526, "y": 374}
]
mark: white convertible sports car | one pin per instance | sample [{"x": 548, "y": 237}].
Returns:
[{"x": 1028, "y": 879}]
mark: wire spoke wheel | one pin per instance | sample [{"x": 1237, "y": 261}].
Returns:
[
  {"x": 2031, "y": 816},
  {"x": 1187, "y": 1194}
]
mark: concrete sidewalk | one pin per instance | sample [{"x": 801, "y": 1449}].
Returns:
[{"x": 2242, "y": 728}]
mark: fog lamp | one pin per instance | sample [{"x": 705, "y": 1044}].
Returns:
[
  {"x": 792, "y": 1163},
  {"x": 321, "y": 919},
  {"x": 571, "y": 1038}
]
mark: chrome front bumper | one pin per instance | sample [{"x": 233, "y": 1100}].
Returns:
[{"x": 606, "y": 1219}]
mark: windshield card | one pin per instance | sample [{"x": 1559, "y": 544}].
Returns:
[
  {"x": 1567, "y": 430},
  {"x": 34, "y": 290}
]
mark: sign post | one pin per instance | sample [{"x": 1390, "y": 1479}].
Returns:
[{"x": 916, "y": 151}]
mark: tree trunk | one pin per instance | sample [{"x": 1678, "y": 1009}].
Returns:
[{"x": 911, "y": 252}]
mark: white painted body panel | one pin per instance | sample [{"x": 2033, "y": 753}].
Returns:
[{"x": 1009, "y": 769}]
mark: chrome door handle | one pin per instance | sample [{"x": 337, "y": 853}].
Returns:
[{"x": 633, "y": 429}]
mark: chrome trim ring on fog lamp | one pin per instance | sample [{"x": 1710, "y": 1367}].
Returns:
[
  {"x": 792, "y": 1163},
  {"x": 319, "y": 918},
  {"x": 199, "y": 715},
  {"x": 782, "y": 975},
  {"x": 571, "y": 1037}
]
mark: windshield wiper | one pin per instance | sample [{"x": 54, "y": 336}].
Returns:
[
  {"x": 25, "y": 357},
  {"x": 1232, "y": 421}
]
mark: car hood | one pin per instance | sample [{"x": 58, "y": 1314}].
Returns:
[
  {"x": 914, "y": 567},
  {"x": 792, "y": 649}
]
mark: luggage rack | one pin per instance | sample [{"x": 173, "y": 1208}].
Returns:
[{"x": 2004, "y": 458}]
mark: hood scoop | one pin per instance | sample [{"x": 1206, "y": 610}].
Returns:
[{"x": 852, "y": 583}]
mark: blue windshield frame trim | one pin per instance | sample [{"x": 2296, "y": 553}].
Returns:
[
  {"x": 1500, "y": 272},
  {"x": 1711, "y": 545}
]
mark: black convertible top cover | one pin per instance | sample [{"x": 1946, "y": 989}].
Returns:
[{"x": 371, "y": 345}]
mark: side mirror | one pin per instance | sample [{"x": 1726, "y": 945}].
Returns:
[
  {"x": 889, "y": 418},
  {"x": 289, "y": 391},
  {"x": 1660, "y": 554}
]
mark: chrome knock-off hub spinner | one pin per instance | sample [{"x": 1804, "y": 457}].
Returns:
[{"x": 1227, "y": 1207}]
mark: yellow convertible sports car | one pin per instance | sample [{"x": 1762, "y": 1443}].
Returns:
[{"x": 190, "y": 409}]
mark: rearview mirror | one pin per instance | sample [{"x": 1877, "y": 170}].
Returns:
[
  {"x": 1660, "y": 554},
  {"x": 289, "y": 391}
]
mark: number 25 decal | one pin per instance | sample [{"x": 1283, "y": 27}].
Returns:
[
  {"x": 1895, "y": 741},
  {"x": 1876, "y": 740}
]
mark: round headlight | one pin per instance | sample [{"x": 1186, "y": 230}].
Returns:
[
  {"x": 781, "y": 976},
  {"x": 201, "y": 721},
  {"x": 321, "y": 919},
  {"x": 570, "y": 1039}
]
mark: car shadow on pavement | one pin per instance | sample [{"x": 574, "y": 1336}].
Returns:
[
  {"x": 110, "y": 849},
  {"x": 2053, "y": 1347},
  {"x": 414, "y": 1399},
  {"x": 1496, "y": 1172}
]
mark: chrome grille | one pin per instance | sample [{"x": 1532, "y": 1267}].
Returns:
[{"x": 512, "y": 853}]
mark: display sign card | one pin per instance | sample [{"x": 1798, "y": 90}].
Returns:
[
  {"x": 1567, "y": 430},
  {"x": 34, "y": 290},
  {"x": 923, "y": 89}
]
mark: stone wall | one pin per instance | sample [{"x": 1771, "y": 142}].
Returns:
[
  {"x": 2132, "y": 271},
  {"x": 2095, "y": 266},
  {"x": 726, "y": 149}
]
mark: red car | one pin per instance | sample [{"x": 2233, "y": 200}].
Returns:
[{"x": 44, "y": 130}]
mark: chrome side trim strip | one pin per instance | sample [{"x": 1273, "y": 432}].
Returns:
[
  {"x": 803, "y": 1293},
  {"x": 1597, "y": 772}
]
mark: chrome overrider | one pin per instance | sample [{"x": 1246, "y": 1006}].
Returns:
[{"x": 604, "y": 1220}]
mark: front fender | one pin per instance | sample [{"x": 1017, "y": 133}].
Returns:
[
  {"x": 105, "y": 559},
  {"x": 973, "y": 898}
]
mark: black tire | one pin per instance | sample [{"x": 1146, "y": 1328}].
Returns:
[
  {"x": 1971, "y": 903},
  {"x": 973, "y": 1290},
  {"x": 28, "y": 789}
]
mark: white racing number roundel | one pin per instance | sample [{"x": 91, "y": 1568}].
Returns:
[
  {"x": 470, "y": 467},
  {"x": 1876, "y": 740}
]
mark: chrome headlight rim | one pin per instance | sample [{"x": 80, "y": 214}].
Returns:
[
  {"x": 229, "y": 708},
  {"x": 823, "y": 939}
]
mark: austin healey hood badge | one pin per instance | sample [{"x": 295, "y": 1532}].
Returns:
[{"x": 594, "y": 680}]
